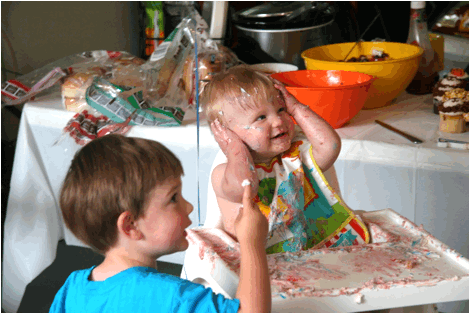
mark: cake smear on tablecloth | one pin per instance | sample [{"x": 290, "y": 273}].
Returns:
[{"x": 401, "y": 253}]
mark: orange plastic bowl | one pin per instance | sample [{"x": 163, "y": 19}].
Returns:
[{"x": 337, "y": 96}]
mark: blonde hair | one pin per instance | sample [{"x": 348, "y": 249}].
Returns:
[
  {"x": 238, "y": 86},
  {"x": 108, "y": 176}
]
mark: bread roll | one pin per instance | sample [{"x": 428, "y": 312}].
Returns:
[
  {"x": 188, "y": 76},
  {"x": 129, "y": 61},
  {"x": 210, "y": 63},
  {"x": 76, "y": 85},
  {"x": 127, "y": 79},
  {"x": 75, "y": 104}
]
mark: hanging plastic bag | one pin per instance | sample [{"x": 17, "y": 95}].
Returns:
[{"x": 171, "y": 72}]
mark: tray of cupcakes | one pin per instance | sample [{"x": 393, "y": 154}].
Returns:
[{"x": 450, "y": 97}]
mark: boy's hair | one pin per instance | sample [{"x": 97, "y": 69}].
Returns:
[
  {"x": 108, "y": 176},
  {"x": 237, "y": 86}
]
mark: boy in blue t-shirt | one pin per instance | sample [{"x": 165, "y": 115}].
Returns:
[{"x": 122, "y": 196}]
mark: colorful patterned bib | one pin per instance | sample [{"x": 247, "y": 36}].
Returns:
[{"x": 302, "y": 209}]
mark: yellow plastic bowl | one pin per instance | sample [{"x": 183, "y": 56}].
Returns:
[{"x": 393, "y": 76}]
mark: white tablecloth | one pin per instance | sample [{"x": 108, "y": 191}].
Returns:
[{"x": 376, "y": 169}]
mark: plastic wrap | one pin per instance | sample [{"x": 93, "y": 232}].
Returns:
[
  {"x": 119, "y": 102},
  {"x": 109, "y": 87},
  {"x": 40, "y": 81},
  {"x": 171, "y": 75}
]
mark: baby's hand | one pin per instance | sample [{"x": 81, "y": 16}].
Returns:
[
  {"x": 291, "y": 102},
  {"x": 251, "y": 227},
  {"x": 226, "y": 138}
]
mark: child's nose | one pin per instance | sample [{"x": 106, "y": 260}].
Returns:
[
  {"x": 277, "y": 120},
  {"x": 189, "y": 207}
]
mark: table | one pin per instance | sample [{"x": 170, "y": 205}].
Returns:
[{"x": 376, "y": 169}]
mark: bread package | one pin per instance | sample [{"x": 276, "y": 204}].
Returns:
[
  {"x": 127, "y": 71},
  {"x": 209, "y": 63}
]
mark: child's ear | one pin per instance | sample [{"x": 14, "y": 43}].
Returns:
[{"x": 126, "y": 225}]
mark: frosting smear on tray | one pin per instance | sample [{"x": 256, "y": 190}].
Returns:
[{"x": 401, "y": 253}]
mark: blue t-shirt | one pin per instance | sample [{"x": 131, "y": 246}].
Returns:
[{"x": 137, "y": 289}]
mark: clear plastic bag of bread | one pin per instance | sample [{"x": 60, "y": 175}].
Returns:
[
  {"x": 165, "y": 69},
  {"x": 71, "y": 75},
  {"x": 210, "y": 62},
  {"x": 119, "y": 68},
  {"x": 25, "y": 87},
  {"x": 171, "y": 72}
]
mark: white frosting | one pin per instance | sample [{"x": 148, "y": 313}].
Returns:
[
  {"x": 445, "y": 88},
  {"x": 377, "y": 53},
  {"x": 458, "y": 113},
  {"x": 407, "y": 256},
  {"x": 454, "y": 102},
  {"x": 450, "y": 82},
  {"x": 246, "y": 182}
]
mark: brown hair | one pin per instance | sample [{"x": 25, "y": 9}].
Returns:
[
  {"x": 108, "y": 176},
  {"x": 238, "y": 86}
]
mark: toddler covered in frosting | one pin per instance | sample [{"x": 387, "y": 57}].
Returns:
[{"x": 252, "y": 119}]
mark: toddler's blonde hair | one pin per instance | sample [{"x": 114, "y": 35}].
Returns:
[{"x": 238, "y": 86}]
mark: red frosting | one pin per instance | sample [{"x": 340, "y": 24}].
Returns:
[{"x": 457, "y": 72}]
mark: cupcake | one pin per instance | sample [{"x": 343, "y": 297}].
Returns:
[
  {"x": 459, "y": 74},
  {"x": 457, "y": 78},
  {"x": 453, "y": 111}
]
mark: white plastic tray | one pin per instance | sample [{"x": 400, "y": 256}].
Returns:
[{"x": 404, "y": 266}]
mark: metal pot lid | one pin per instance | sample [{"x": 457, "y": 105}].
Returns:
[
  {"x": 284, "y": 15},
  {"x": 272, "y": 9}
]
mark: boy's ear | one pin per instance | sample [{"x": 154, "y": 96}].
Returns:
[{"x": 126, "y": 226}]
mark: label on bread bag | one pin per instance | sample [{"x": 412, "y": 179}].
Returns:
[
  {"x": 14, "y": 89},
  {"x": 105, "y": 97},
  {"x": 98, "y": 55},
  {"x": 84, "y": 127},
  {"x": 114, "y": 54},
  {"x": 162, "y": 49},
  {"x": 181, "y": 36},
  {"x": 16, "y": 93}
]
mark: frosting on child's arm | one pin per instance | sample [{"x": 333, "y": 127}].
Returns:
[
  {"x": 238, "y": 171},
  {"x": 239, "y": 164},
  {"x": 326, "y": 143}
]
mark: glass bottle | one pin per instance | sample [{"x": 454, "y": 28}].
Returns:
[{"x": 418, "y": 35}]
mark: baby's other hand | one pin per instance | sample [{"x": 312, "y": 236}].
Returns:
[
  {"x": 251, "y": 226},
  {"x": 226, "y": 138},
  {"x": 291, "y": 102}
]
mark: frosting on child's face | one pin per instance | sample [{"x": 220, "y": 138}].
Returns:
[{"x": 267, "y": 129}]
